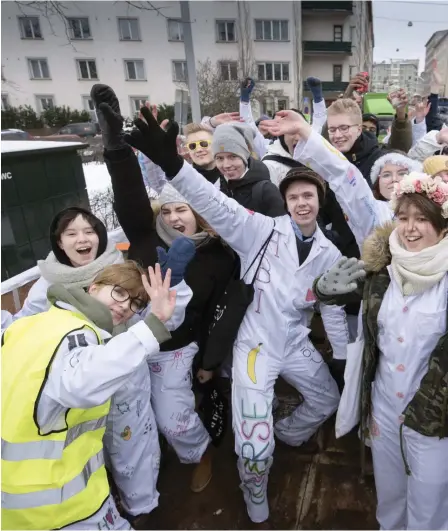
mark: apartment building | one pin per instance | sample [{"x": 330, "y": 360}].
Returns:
[
  {"x": 53, "y": 60},
  {"x": 437, "y": 48},
  {"x": 401, "y": 73}
]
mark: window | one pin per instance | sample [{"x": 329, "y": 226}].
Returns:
[
  {"x": 271, "y": 30},
  {"x": 225, "y": 31},
  {"x": 87, "y": 69},
  {"x": 135, "y": 70},
  {"x": 5, "y": 101},
  {"x": 175, "y": 30},
  {"x": 229, "y": 70},
  {"x": 38, "y": 69},
  {"x": 79, "y": 28},
  {"x": 337, "y": 33},
  {"x": 353, "y": 71},
  {"x": 282, "y": 104},
  {"x": 30, "y": 28},
  {"x": 273, "y": 71},
  {"x": 352, "y": 33},
  {"x": 337, "y": 73},
  {"x": 128, "y": 28},
  {"x": 87, "y": 103},
  {"x": 137, "y": 102},
  {"x": 180, "y": 71},
  {"x": 44, "y": 103}
]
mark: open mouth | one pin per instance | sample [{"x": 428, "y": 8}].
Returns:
[
  {"x": 84, "y": 251},
  {"x": 180, "y": 228},
  {"x": 412, "y": 239},
  {"x": 304, "y": 212}
]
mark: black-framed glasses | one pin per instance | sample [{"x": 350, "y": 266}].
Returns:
[
  {"x": 341, "y": 128},
  {"x": 120, "y": 294}
]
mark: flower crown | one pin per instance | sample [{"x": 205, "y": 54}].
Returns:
[{"x": 421, "y": 183}]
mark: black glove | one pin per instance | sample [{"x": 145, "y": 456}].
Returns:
[
  {"x": 109, "y": 116},
  {"x": 158, "y": 145}
]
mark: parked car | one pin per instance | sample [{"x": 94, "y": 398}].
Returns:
[
  {"x": 83, "y": 130},
  {"x": 16, "y": 134}
]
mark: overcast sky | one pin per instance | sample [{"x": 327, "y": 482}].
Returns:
[{"x": 391, "y": 29}]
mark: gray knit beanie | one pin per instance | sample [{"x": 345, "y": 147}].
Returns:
[{"x": 236, "y": 139}]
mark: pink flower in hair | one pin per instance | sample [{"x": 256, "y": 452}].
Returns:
[
  {"x": 438, "y": 196},
  {"x": 418, "y": 187}
]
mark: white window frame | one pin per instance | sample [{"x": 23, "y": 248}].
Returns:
[
  {"x": 128, "y": 19},
  {"x": 126, "y": 70},
  {"x": 5, "y": 103},
  {"x": 183, "y": 62},
  {"x": 286, "y": 100},
  {"x": 273, "y": 63},
  {"x": 181, "y": 29},
  {"x": 133, "y": 99},
  {"x": 83, "y": 38},
  {"x": 40, "y": 97},
  {"x": 85, "y": 98},
  {"x": 22, "y": 29},
  {"x": 40, "y": 67},
  {"x": 228, "y": 64},
  {"x": 226, "y": 21},
  {"x": 334, "y": 32},
  {"x": 78, "y": 69},
  {"x": 281, "y": 39}
]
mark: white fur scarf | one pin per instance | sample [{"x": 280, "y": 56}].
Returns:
[
  {"x": 78, "y": 277},
  {"x": 417, "y": 272}
]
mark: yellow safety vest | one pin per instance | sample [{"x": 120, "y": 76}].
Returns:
[{"x": 55, "y": 479}]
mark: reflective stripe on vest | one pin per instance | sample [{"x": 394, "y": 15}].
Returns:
[
  {"x": 42, "y": 498},
  {"x": 47, "y": 449}
]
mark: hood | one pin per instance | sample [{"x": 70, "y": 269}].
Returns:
[
  {"x": 362, "y": 148},
  {"x": 376, "y": 253},
  {"x": 94, "y": 310},
  {"x": 372, "y": 118},
  {"x": 277, "y": 149},
  {"x": 98, "y": 226},
  {"x": 211, "y": 176},
  {"x": 257, "y": 172}
]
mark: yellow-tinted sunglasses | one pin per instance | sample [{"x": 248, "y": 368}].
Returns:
[{"x": 192, "y": 146}]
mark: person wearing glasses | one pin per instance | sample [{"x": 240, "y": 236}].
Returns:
[
  {"x": 62, "y": 372},
  {"x": 207, "y": 275}
]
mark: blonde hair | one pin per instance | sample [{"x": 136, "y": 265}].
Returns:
[
  {"x": 127, "y": 275},
  {"x": 345, "y": 106},
  {"x": 192, "y": 128}
]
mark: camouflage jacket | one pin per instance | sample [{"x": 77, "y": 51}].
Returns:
[{"x": 427, "y": 412}]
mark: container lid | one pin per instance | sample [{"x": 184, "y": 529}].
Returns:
[{"x": 10, "y": 147}]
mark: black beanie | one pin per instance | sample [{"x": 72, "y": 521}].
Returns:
[{"x": 97, "y": 225}]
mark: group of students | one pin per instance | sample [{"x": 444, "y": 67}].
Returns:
[{"x": 101, "y": 357}]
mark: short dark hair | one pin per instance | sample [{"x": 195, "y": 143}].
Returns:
[
  {"x": 71, "y": 214},
  {"x": 428, "y": 208}
]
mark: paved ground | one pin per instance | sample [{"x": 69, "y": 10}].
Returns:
[{"x": 317, "y": 491}]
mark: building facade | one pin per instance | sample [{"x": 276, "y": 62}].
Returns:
[
  {"x": 402, "y": 73},
  {"x": 437, "y": 49},
  {"x": 49, "y": 60}
]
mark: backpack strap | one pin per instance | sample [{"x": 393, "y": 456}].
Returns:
[
  {"x": 261, "y": 252},
  {"x": 283, "y": 160}
]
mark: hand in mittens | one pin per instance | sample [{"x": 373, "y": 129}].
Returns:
[
  {"x": 109, "y": 116},
  {"x": 177, "y": 258},
  {"x": 247, "y": 86},
  {"x": 342, "y": 277},
  {"x": 158, "y": 145}
]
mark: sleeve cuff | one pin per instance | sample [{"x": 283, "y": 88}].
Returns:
[{"x": 157, "y": 328}]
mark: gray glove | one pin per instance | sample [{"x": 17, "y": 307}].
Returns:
[{"x": 342, "y": 277}]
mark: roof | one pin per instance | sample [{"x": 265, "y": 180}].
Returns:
[
  {"x": 442, "y": 34},
  {"x": 33, "y": 146}
]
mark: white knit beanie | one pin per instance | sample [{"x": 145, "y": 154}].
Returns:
[
  {"x": 236, "y": 139},
  {"x": 394, "y": 158},
  {"x": 171, "y": 195}
]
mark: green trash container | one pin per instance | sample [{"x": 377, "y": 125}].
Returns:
[{"x": 39, "y": 179}]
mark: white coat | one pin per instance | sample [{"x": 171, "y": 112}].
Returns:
[
  {"x": 426, "y": 147},
  {"x": 273, "y": 337}
]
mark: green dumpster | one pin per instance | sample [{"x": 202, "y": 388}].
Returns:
[{"x": 39, "y": 179}]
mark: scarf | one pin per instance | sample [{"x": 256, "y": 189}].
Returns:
[
  {"x": 78, "y": 277},
  {"x": 168, "y": 234},
  {"x": 417, "y": 272}
]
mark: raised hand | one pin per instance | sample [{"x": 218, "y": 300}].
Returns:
[
  {"x": 247, "y": 86},
  {"x": 158, "y": 145},
  {"x": 224, "y": 118},
  {"x": 286, "y": 122},
  {"x": 109, "y": 116},
  {"x": 421, "y": 110},
  {"x": 177, "y": 258},
  {"x": 342, "y": 277},
  {"x": 163, "y": 301}
]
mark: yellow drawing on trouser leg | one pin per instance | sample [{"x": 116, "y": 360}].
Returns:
[{"x": 251, "y": 359}]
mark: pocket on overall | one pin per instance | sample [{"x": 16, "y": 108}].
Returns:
[
  {"x": 177, "y": 370},
  {"x": 250, "y": 365}
]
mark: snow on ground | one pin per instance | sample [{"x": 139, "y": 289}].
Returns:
[{"x": 97, "y": 177}]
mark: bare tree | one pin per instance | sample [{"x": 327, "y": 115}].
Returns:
[{"x": 101, "y": 204}]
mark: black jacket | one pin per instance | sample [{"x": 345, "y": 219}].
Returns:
[
  {"x": 255, "y": 191},
  {"x": 207, "y": 274},
  {"x": 211, "y": 176}
]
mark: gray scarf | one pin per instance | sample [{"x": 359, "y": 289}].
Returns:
[
  {"x": 78, "y": 277},
  {"x": 168, "y": 234}
]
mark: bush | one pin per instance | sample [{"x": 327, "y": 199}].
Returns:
[
  {"x": 165, "y": 112},
  {"x": 22, "y": 117},
  {"x": 60, "y": 116}
]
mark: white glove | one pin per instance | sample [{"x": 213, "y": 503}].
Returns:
[{"x": 342, "y": 277}]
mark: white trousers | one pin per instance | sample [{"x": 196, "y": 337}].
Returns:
[
  {"x": 107, "y": 517},
  {"x": 131, "y": 444},
  {"x": 173, "y": 402},
  {"x": 418, "y": 501},
  {"x": 252, "y": 396}
]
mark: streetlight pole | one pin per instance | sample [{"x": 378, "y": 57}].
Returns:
[{"x": 191, "y": 65}]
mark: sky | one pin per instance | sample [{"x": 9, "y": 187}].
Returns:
[{"x": 391, "y": 31}]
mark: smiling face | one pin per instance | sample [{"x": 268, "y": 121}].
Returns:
[
  {"x": 343, "y": 130},
  {"x": 179, "y": 216},
  {"x": 121, "y": 311},
  {"x": 415, "y": 230},
  {"x": 291, "y": 141},
  {"x": 79, "y": 241},
  {"x": 389, "y": 175},
  {"x": 199, "y": 147},
  {"x": 303, "y": 205},
  {"x": 230, "y": 165}
]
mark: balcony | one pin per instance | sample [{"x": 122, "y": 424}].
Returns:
[
  {"x": 332, "y": 47},
  {"x": 346, "y": 7},
  {"x": 330, "y": 86}
]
